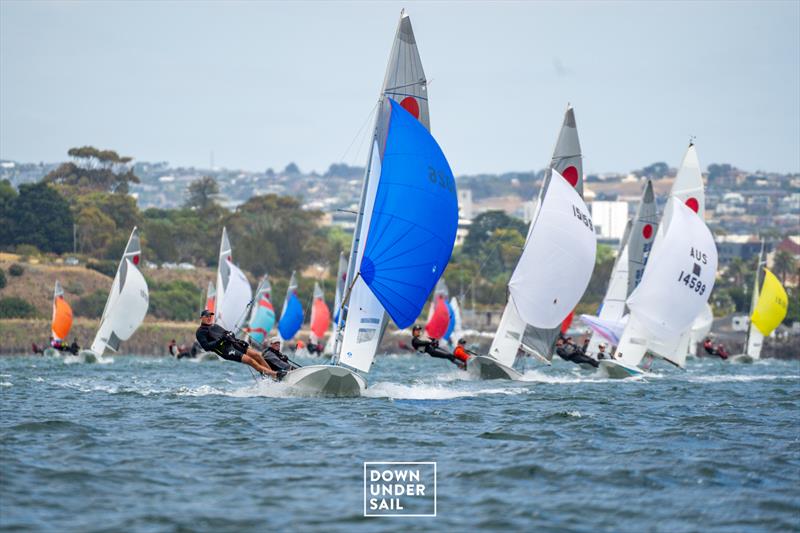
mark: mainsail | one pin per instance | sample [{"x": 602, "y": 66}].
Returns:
[
  {"x": 127, "y": 302},
  {"x": 262, "y": 315},
  {"x": 233, "y": 289},
  {"x": 62, "y": 315},
  {"x": 408, "y": 212},
  {"x": 643, "y": 233},
  {"x": 292, "y": 312},
  {"x": 439, "y": 314}
]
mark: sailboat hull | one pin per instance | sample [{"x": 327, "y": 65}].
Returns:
[
  {"x": 485, "y": 367},
  {"x": 326, "y": 380},
  {"x": 88, "y": 356},
  {"x": 743, "y": 358},
  {"x": 618, "y": 370}
]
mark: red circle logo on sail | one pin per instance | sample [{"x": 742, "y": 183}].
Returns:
[
  {"x": 693, "y": 204},
  {"x": 411, "y": 105},
  {"x": 135, "y": 259},
  {"x": 571, "y": 175},
  {"x": 647, "y": 231}
]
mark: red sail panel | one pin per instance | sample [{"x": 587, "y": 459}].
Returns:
[{"x": 320, "y": 318}]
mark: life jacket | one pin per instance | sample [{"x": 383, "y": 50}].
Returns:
[{"x": 460, "y": 353}]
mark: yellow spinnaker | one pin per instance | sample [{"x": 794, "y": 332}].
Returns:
[{"x": 772, "y": 305}]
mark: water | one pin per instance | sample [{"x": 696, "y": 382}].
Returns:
[{"x": 156, "y": 445}]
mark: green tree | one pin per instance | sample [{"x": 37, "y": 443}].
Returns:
[
  {"x": 201, "y": 193},
  {"x": 8, "y": 194},
  {"x": 784, "y": 264},
  {"x": 2, "y": 279},
  {"x": 95, "y": 230},
  {"x": 40, "y": 216},
  {"x": 484, "y": 225},
  {"x": 93, "y": 169},
  {"x": 13, "y": 307},
  {"x": 91, "y": 305}
]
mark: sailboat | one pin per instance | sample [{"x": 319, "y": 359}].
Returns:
[
  {"x": 61, "y": 323},
  {"x": 634, "y": 250},
  {"x": 291, "y": 313},
  {"x": 439, "y": 313},
  {"x": 554, "y": 269},
  {"x": 700, "y": 329},
  {"x": 341, "y": 277},
  {"x": 233, "y": 289},
  {"x": 211, "y": 297},
  {"x": 126, "y": 305},
  {"x": 405, "y": 226},
  {"x": 262, "y": 314},
  {"x": 641, "y": 336},
  {"x": 320, "y": 315},
  {"x": 768, "y": 308},
  {"x": 455, "y": 328}
]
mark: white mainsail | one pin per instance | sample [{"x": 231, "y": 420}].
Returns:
[
  {"x": 362, "y": 328},
  {"x": 675, "y": 287},
  {"x": 233, "y": 289},
  {"x": 755, "y": 339},
  {"x": 701, "y": 327},
  {"x": 127, "y": 302}
]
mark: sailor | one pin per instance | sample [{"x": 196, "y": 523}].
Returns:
[
  {"x": 460, "y": 352},
  {"x": 708, "y": 346},
  {"x": 275, "y": 359},
  {"x": 601, "y": 351},
  {"x": 431, "y": 347},
  {"x": 567, "y": 350},
  {"x": 215, "y": 338}
]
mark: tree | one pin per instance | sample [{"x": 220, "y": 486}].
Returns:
[
  {"x": 40, "y": 216},
  {"x": 93, "y": 169},
  {"x": 737, "y": 270},
  {"x": 291, "y": 169},
  {"x": 784, "y": 264},
  {"x": 484, "y": 225},
  {"x": 95, "y": 230},
  {"x": 655, "y": 171},
  {"x": 8, "y": 194},
  {"x": 13, "y": 307},
  {"x": 201, "y": 193}
]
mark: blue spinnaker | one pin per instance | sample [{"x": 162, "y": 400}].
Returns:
[
  {"x": 292, "y": 318},
  {"x": 414, "y": 219},
  {"x": 452, "y": 324}
]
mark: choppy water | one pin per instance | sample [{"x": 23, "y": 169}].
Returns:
[{"x": 152, "y": 445}]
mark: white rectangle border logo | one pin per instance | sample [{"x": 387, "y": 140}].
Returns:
[{"x": 435, "y": 475}]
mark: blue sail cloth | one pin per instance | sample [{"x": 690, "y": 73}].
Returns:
[
  {"x": 414, "y": 220},
  {"x": 262, "y": 322},
  {"x": 292, "y": 318},
  {"x": 452, "y": 324}
]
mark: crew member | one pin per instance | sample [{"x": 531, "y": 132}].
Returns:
[
  {"x": 215, "y": 338},
  {"x": 275, "y": 359},
  {"x": 74, "y": 348},
  {"x": 460, "y": 352},
  {"x": 601, "y": 351},
  {"x": 431, "y": 347}
]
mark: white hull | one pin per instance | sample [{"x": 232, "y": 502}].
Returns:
[
  {"x": 88, "y": 356},
  {"x": 742, "y": 358},
  {"x": 617, "y": 370},
  {"x": 326, "y": 380},
  {"x": 52, "y": 352},
  {"x": 485, "y": 367}
]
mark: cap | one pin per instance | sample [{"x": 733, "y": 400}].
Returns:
[
  {"x": 462, "y": 341},
  {"x": 416, "y": 327},
  {"x": 274, "y": 339},
  {"x": 206, "y": 313},
  {"x": 601, "y": 345}
]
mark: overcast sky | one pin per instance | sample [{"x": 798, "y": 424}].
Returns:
[{"x": 264, "y": 83}]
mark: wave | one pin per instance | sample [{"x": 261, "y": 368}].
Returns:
[{"x": 723, "y": 378}]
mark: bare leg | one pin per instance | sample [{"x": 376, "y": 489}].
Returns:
[
  {"x": 246, "y": 359},
  {"x": 255, "y": 354}
]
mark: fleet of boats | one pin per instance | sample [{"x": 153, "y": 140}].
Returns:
[{"x": 655, "y": 308}]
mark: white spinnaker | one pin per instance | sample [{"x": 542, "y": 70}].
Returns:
[
  {"x": 365, "y": 314},
  {"x": 232, "y": 309},
  {"x": 127, "y": 302},
  {"x": 675, "y": 287},
  {"x": 555, "y": 267},
  {"x": 508, "y": 337}
]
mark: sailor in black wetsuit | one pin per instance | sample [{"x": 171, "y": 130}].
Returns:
[
  {"x": 215, "y": 338},
  {"x": 570, "y": 352},
  {"x": 431, "y": 347},
  {"x": 274, "y": 358}
]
